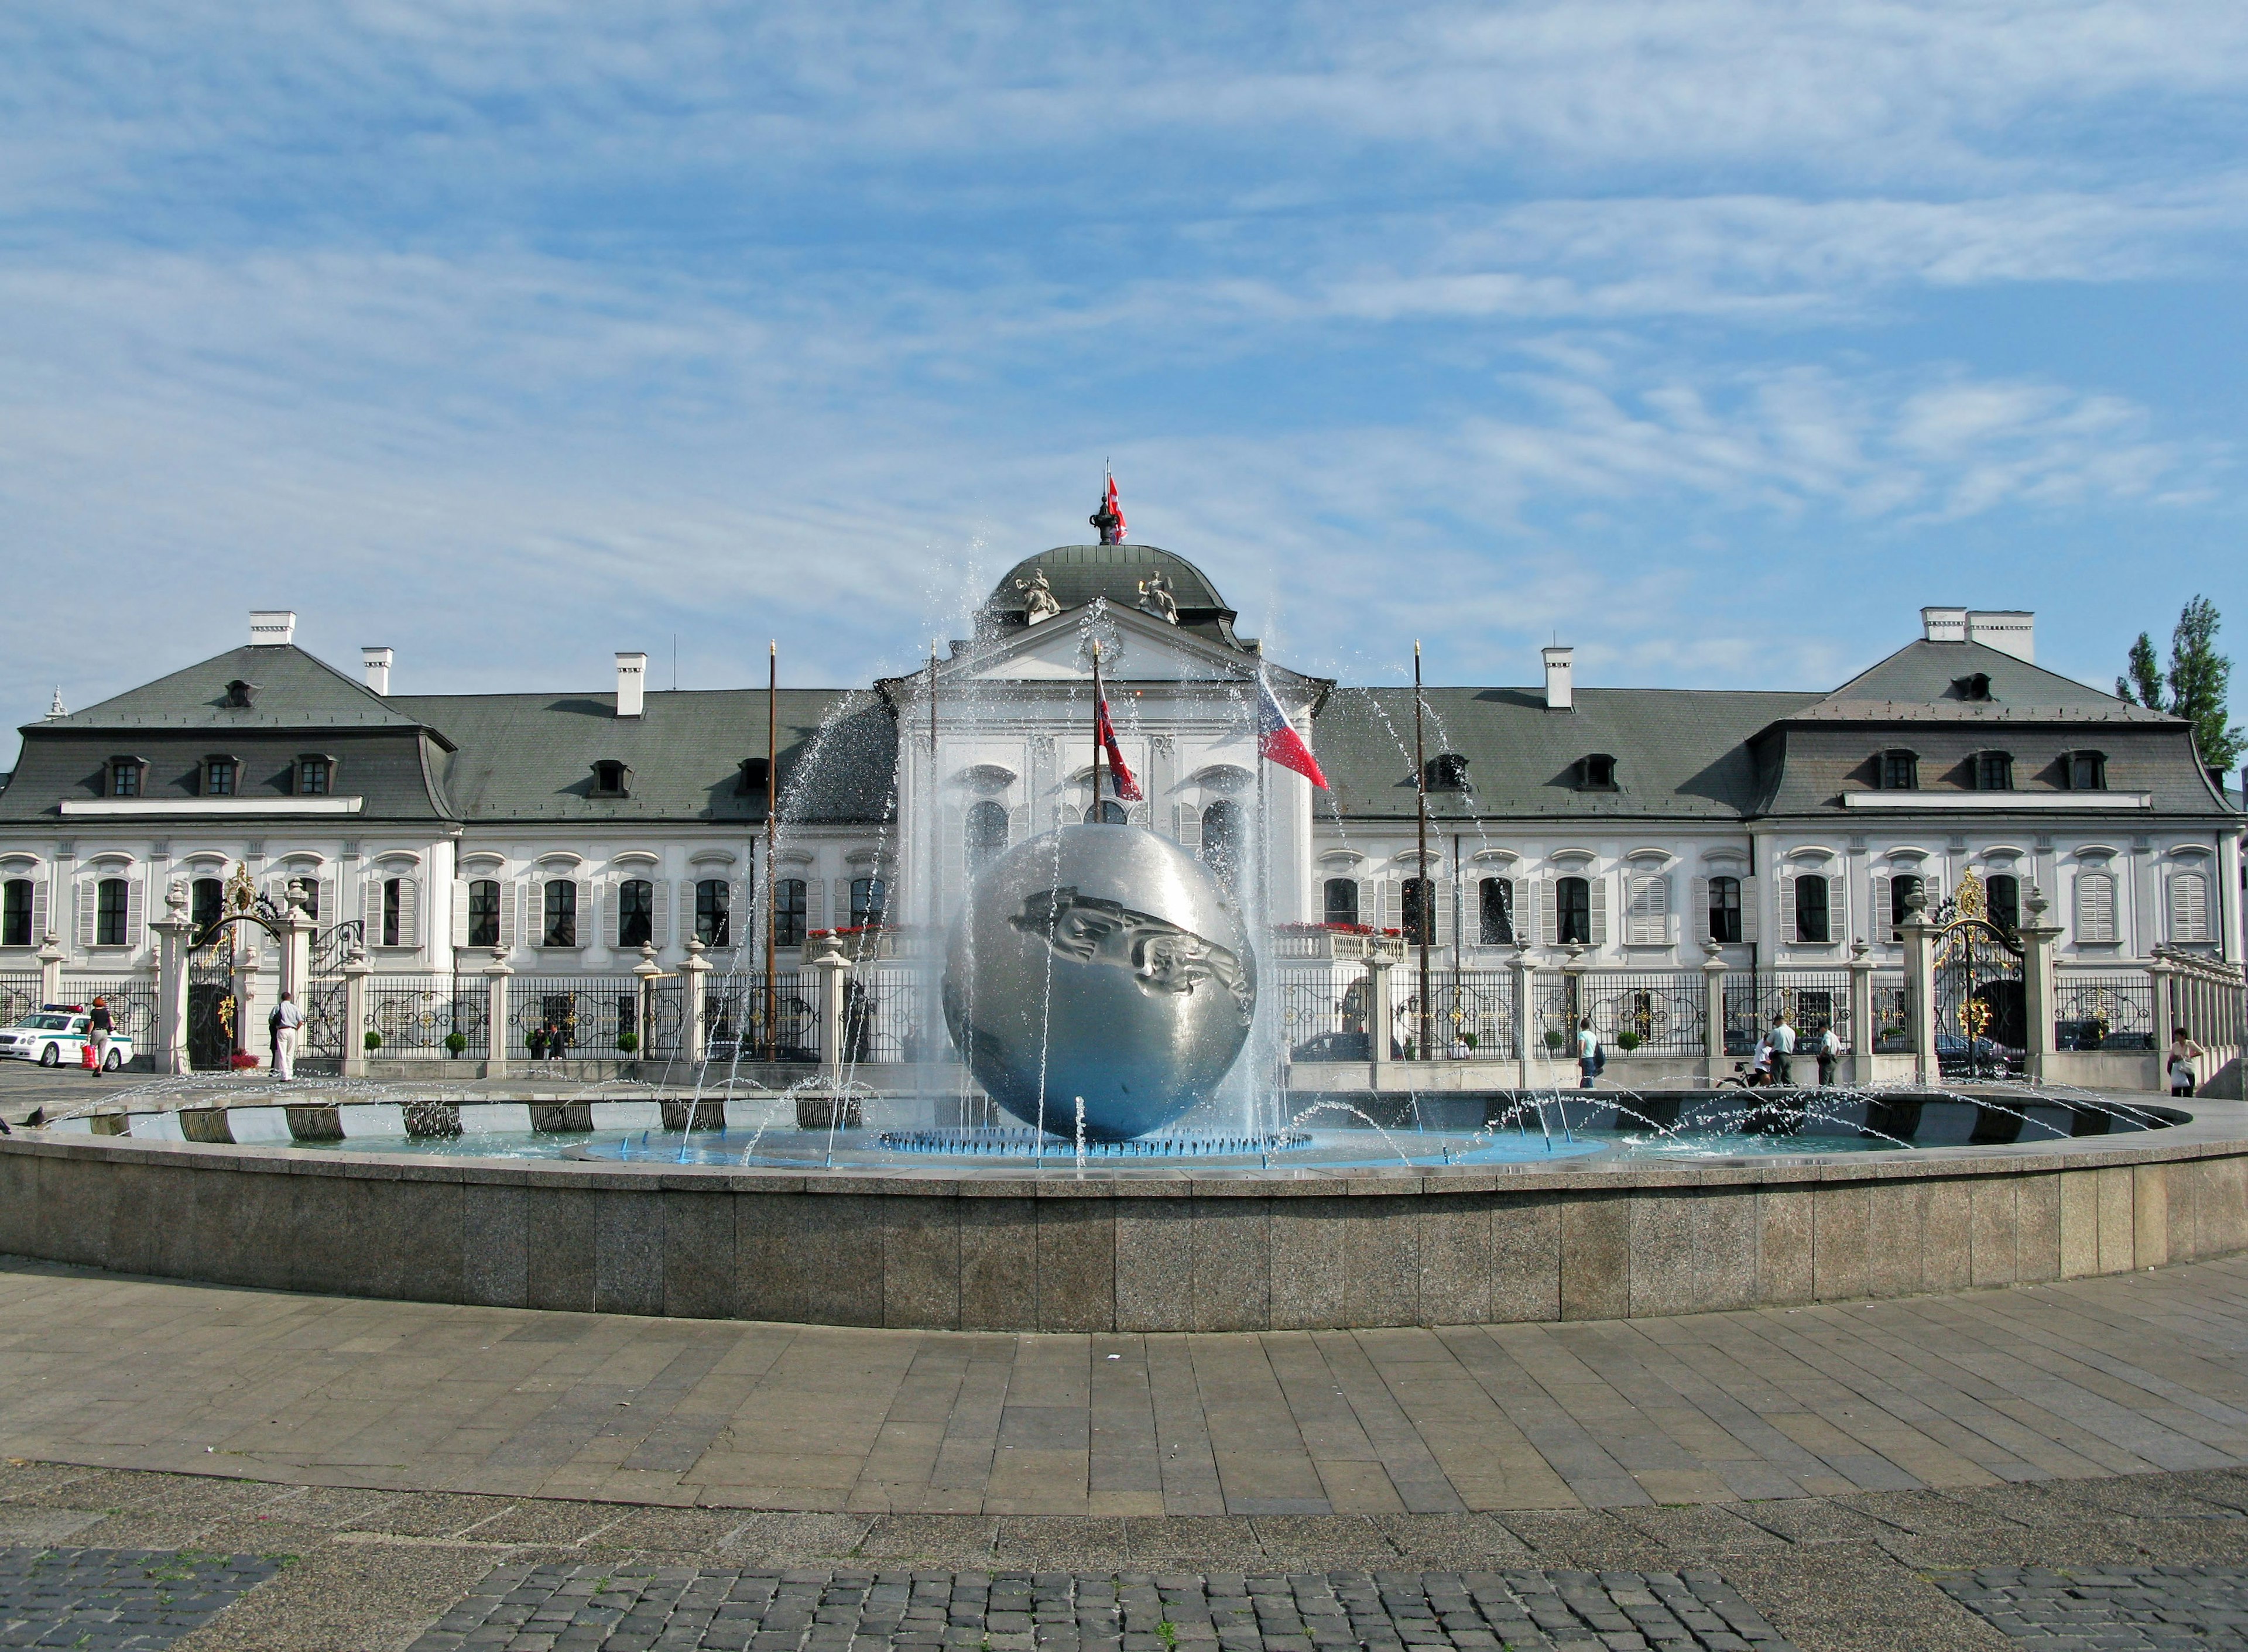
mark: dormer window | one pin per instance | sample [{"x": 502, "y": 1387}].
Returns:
[
  {"x": 611, "y": 779},
  {"x": 241, "y": 695},
  {"x": 1596, "y": 772},
  {"x": 125, "y": 775},
  {"x": 1448, "y": 772},
  {"x": 315, "y": 775},
  {"x": 1992, "y": 771},
  {"x": 2084, "y": 770},
  {"x": 221, "y": 775},
  {"x": 1897, "y": 771},
  {"x": 753, "y": 781},
  {"x": 1977, "y": 687}
]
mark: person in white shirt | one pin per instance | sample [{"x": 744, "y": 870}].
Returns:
[
  {"x": 288, "y": 1018},
  {"x": 1830, "y": 1052},
  {"x": 1588, "y": 1054},
  {"x": 1782, "y": 1039}
]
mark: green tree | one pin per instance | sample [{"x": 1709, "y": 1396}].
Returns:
[
  {"x": 2143, "y": 686},
  {"x": 2201, "y": 681}
]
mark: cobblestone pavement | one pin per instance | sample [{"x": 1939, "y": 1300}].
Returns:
[
  {"x": 111, "y": 1600},
  {"x": 549, "y": 1608},
  {"x": 2124, "y": 1607}
]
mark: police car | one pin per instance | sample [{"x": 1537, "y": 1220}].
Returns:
[{"x": 54, "y": 1035}]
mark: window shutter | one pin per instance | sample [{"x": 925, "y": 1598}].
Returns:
[
  {"x": 842, "y": 909},
  {"x": 1186, "y": 825},
  {"x": 744, "y": 926},
  {"x": 588, "y": 922},
  {"x": 1752, "y": 909},
  {"x": 329, "y": 917},
  {"x": 39, "y": 909},
  {"x": 136, "y": 909},
  {"x": 1787, "y": 921},
  {"x": 1366, "y": 913},
  {"x": 87, "y": 893},
  {"x": 1882, "y": 928},
  {"x": 686, "y": 903},
  {"x": 1443, "y": 936},
  {"x": 409, "y": 910},
  {"x": 460, "y": 935},
  {"x": 2188, "y": 907},
  {"x": 507, "y": 899},
  {"x": 1549, "y": 920},
  {"x": 1701, "y": 930},
  {"x": 370, "y": 906},
  {"x": 658, "y": 912},
  {"x": 1018, "y": 824},
  {"x": 815, "y": 904},
  {"x": 1599, "y": 900}
]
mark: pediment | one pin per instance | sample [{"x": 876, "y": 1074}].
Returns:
[{"x": 1138, "y": 649}]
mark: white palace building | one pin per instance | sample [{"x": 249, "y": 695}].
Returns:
[{"x": 1622, "y": 834}]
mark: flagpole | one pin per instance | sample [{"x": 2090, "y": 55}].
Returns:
[
  {"x": 772, "y": 791},
  {"x": 1420, "y": 821},
  {"x": 1099, "y": 814},
  {"x": 1262, "y": 920}
]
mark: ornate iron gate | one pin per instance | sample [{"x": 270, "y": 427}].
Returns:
[{"x": 1982, "y": 1024}]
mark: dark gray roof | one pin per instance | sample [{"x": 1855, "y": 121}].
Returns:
[
  {"x": 1680, "y": 753},
  {"x": 1921, "y": 680},
  {"x": 294, "y": 690},
  {"x": 1079, "y": 574},
  {"x": 530, "y": 757}
]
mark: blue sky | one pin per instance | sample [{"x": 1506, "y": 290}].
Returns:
[{"x": 1714, "y": 337}]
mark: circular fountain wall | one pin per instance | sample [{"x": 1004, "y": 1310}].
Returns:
[{"x": 625, "y": 1212}]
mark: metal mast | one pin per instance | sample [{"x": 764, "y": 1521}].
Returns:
[
  {"x": 1428, "y": 885},
  {"x": 772, "y": 766}
]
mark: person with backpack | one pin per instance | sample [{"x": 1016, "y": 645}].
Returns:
[{"x": 1590, "y": 1056}]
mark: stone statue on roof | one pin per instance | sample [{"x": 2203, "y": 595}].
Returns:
[
  {"x": 1038, "y": 601},
  {"x": 1156, "y": 597}
]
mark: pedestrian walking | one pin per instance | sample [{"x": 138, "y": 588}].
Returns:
[
  {"x": 1830, "y": 1052},
  {"x": 1589, "y": 1059},
  {"x": 2183, "y": 1051},
  {"x": 1760, "y": 1063},
  {"x": 98, "y": 1028},
  {"x": 537, "y": 1043},
  {"x": 1782, "y": 1039},
  {"x": 557, "y": 1041},
  {"x": 287, "y": 1018}
]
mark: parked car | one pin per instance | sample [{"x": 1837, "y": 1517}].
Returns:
[
  {"x": 1342, "y": 1046},
  {"x": 54, "y": 1035}
]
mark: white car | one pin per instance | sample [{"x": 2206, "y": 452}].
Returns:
[{"x": 54, "y": 1035}]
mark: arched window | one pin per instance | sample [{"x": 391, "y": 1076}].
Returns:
[
  {"x": 15, "y": 913},
  {"x": 714, "y": 916},
  {"x": 635, "y": 912},
  {"x": 483, "y": 912},
  {"x": 561, "y": 926},
  {"x": 1420, "y": 913},
  {"x": 788, "y": 913},
  {"x": 206, "y": 906},
  {"x": 2003, "y": 896},
  {"x": 987, "y": 833},
  {"x": 1725, "y": 909},
  {"x": 1495, "y": 901},
  {"x": 110, "y": 899},
  {"x": 1107, "y": 812},
  {"x": 2096, "y": 907},
  {"x": 2188, "y": 907},
  {"x": 1221, "y": 839},
  {"x": 1341, "y": 901},
  {"x": 1902, "y": 887},
  {"x": 1573, "y": 911},
  {"x": 867, "y": 898},
  {"x": 1812, "y": 925},
  {"x": 1897, "y": 771},
  {"x": 1993, "y": 770}
]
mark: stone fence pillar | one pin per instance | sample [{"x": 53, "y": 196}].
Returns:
[
  {"x": 691, "y": 975},
  {"x": 497, "y": 974},
  {"x": 175, "y": 945},
  {"x": 1862, "y": 1030},
  {"x": 295, "y": 939},
  {"x": 1526, "y": 1024},
  {"x": 1379, "y": 1022},
  {"x": 2036, "y": 938},
  {"x": 834, "y": 970},
  {"x": 1920, "y": 988},
  {"x": 2164, "y": 974},
  {"x": 1713, "y": 1010},
  {"x": 356, "y": 969},
  {"x": 649, "y": 972},
  {"x": 50, "y": 966}
]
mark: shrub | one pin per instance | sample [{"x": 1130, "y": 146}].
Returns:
[
  {"x": 1627, "y": 1040},
  {"x": 457, "y": 1042},
  {"x": 1554, "y": 1039},
  {"x": 628, "y": 1042},
  {"x": 373, "y": 1039}
]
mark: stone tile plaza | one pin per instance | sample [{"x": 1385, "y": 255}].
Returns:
[{"x": 1104, "y": 1142}]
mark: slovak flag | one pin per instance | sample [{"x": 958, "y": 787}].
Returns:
[
  {"x": 1127, "y": 787},
  {"x": 1115, "y": 507},
  {"x": 1277, "y": 740}
]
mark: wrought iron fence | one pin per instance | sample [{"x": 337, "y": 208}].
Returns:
[
  {"x": 667, "y": 1018},
  {"x": 1323, "y": 1013},
  {"x": 131, "y": 1003},
  {"x": 323, "y": 1034},
  {"x": 571, "y": 1014},
  {"x": 734, "y": 1016},
  {"x": 1892, "y": 1017},
  {"x": 2109, "y": 1011},
  {"x": 1556, "y": 997},
  {"x": 19, "y": 996},
  {"x": 1664, "y": 1012},
  {"x": 1474, "y": 1015},
  {"x": 416, "y": 1016},
  {"x": 1813, "y": 1000},
  {"x": 881, "y": 1016}
]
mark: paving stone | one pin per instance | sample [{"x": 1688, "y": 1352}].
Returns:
[
  {"x": 2049, "y": 1609},
  {"x": 113, "y": 1599}
]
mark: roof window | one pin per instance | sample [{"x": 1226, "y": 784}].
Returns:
[
  {"x": 1976, "y": 686},
  {"x": 611, "y": 779},
  {"x": 751, "y": 783},
  {"x": 1992, "y": 771},
  {"x": 221, "y": 775},
  {"x": 2084, "y": 770},
  {"x": 1896, "y": 770},
  {"x": 128, "y": 776},
  {"x": 240, "y": 695},
  {"x": 1448, "y": 772},
  {"x": 1596, "y": 772}
]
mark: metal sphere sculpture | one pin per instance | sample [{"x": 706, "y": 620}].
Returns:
[{"x": 1105, "y": 962}]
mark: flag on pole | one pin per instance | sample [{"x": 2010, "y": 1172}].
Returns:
[
  {"x": 1114, "y": 507},
  {"x": 1127, "y": 787},
  {"x": 1277, "y": 740}
]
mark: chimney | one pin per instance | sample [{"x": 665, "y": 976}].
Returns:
[
  {"x": 2008, "y": 630},
  {"x": 632, "y": 683},
  {"x": 1560, "y": 671},
  {"x": 271, "y": 627},
  {"x": 1943, "y": 625},
  {"x": 377, "y": 661}
]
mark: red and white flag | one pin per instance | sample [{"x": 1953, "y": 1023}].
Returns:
[
  {"x": 1127, "y": 787},
  {"x": 1278, "y": 741},
  {"x": 1115, "y": 506}
]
